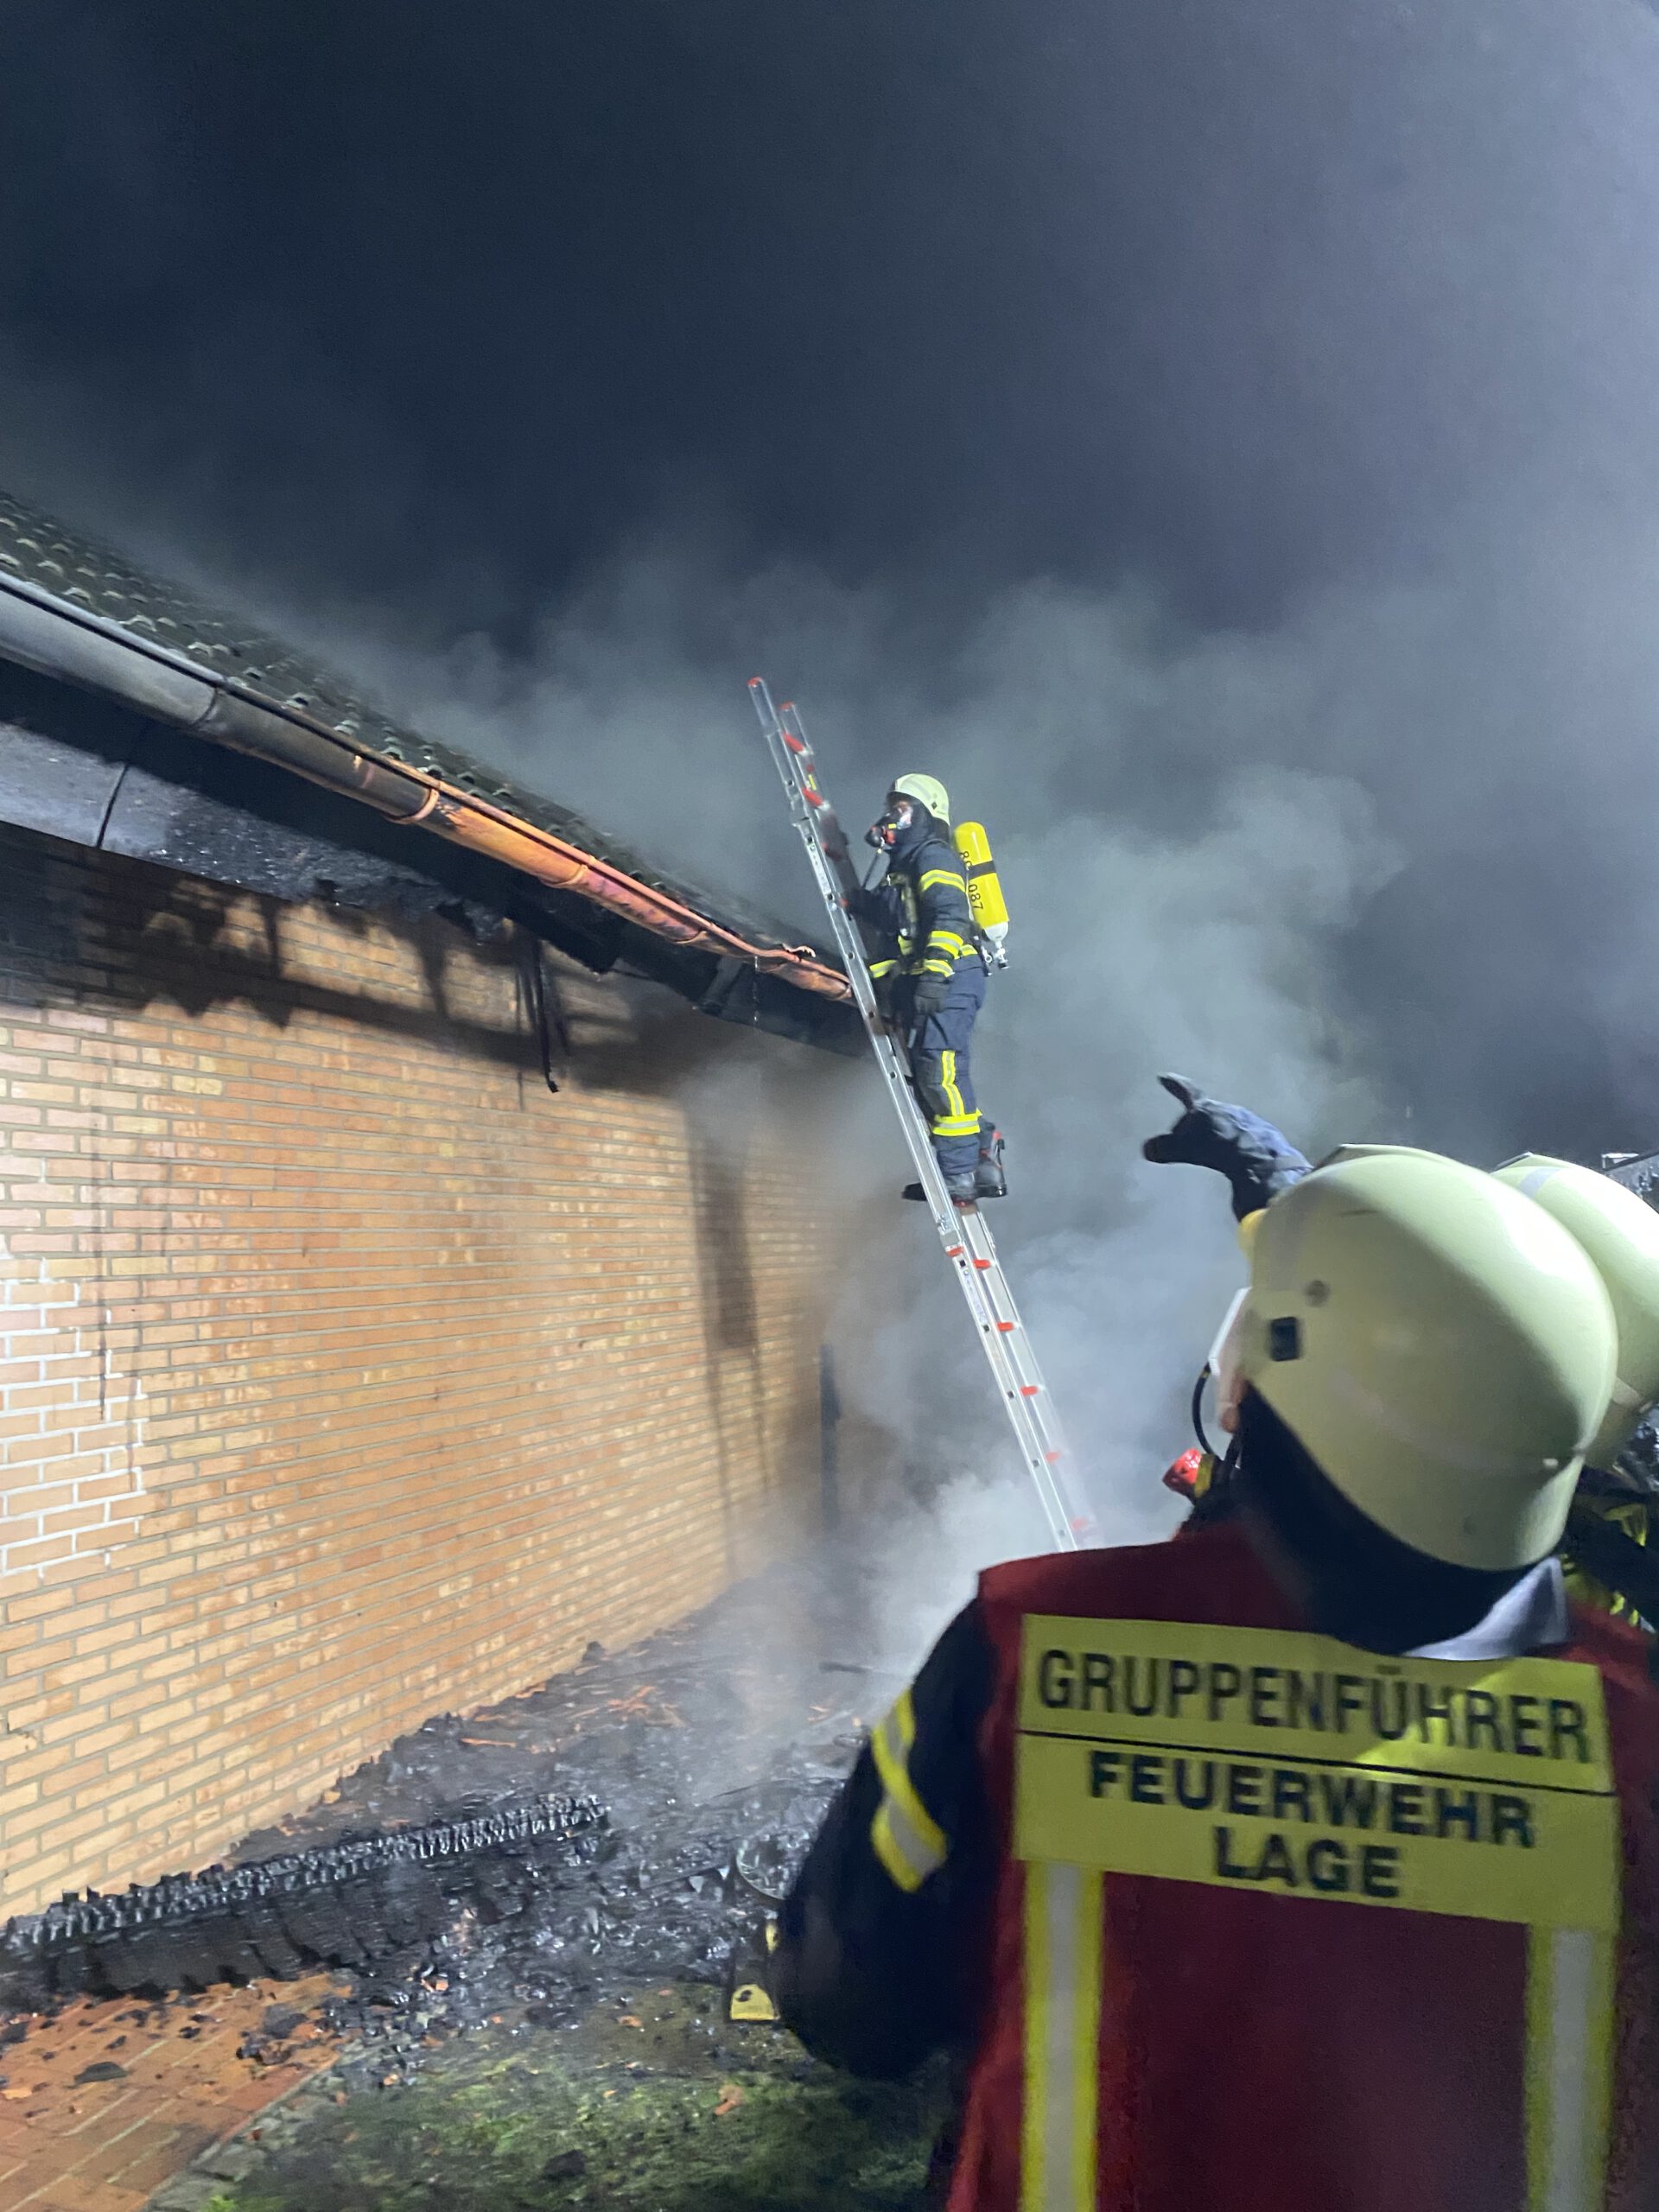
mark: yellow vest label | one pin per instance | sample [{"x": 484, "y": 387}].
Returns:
[{"x": 1279, "y": 1761}]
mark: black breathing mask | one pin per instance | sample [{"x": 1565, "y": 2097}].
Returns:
[{"x": 884, "y": 834}]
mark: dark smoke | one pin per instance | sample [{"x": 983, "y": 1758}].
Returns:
[{"x": 1217, "y": 440}]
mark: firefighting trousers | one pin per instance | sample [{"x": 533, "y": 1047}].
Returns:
[{"x": 945, "y": 1083}]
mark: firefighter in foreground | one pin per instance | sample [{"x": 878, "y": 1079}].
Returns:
[
  {"x": 1310, "y": 1864},
  {"x": 1607, "y": 1555},
  {"x": 931, "y": 970}
]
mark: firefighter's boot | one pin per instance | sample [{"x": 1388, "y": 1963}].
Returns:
[
  {"x": 990, "y": 1181},
  {"x": 964, "y": 1190}
]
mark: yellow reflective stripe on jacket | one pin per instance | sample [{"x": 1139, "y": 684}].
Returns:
[
  {"x": 954, "y": 1125},
  {"x": 947, "y": 941},
  {"x": 1570, "y": 2000},
  {"x": 1630, "y": 1516},
  {"x": 907, "y": 1840},
  {"x": 933, "y": 875},
  {"x": 932, "y": 968},
  {"x": 882, "y": 967},
  {"x": 1064, "y": 1963},
  {"x": 1587, "y": 1592}
]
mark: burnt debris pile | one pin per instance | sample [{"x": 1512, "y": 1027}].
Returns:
[
  {"x": 349, "y": 1902},
  {"x": 715, "y": 1746},
  {"x": 633, "y": 1821}
]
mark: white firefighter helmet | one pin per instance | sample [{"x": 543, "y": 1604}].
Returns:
[
  {"x": 929, "y": 791},
  {"x": 1621, "y": 1235},
  {"x": 1440, "y": 1346}
]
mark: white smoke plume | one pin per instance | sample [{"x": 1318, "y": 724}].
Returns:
[
  {"x": 1151, "y": 932},
  {"x": 1368, "y": 871}
]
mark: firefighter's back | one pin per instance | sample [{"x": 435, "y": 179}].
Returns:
[{"x": 1282, "y": 1924}]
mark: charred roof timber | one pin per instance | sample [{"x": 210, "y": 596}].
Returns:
[
  {"x": 334, "y": 1904},
  {"x": 73, "y": 615}
]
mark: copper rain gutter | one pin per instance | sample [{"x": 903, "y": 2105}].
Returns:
[{"x": 41, "y": 632}]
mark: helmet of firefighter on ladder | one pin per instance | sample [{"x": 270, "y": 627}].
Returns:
[{"x": 974, "y": 850}]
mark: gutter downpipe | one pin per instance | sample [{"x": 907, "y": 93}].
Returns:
[{"x": 41, "y": 632}]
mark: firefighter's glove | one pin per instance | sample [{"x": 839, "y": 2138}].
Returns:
[
  {"x": 1257, "y": 1161},
  {"x": 928, "y": 994}
]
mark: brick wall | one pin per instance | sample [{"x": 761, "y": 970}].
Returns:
[{"x": 347, "y": 1375}]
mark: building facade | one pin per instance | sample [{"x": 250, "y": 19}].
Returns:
[{"x": 394, "y": 1304}]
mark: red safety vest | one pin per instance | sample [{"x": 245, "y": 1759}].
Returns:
[{"x": 1282, "y": 1926}]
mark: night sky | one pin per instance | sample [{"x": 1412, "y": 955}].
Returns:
[
  {"x": 1323, "y": 337},
  {"x": 1243, "y": 295}
]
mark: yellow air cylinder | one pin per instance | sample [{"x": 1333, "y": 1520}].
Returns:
[{"x": 984, "y": 891}]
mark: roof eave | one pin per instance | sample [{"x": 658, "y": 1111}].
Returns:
[{"x": 41, "y": 631}]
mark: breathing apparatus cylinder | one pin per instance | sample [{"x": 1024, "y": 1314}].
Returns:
[{"x": 984, "y": 890}]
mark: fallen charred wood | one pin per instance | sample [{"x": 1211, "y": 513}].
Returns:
[{"x": 341, "y": 1904}]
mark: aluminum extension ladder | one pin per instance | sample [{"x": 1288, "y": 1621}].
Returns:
[{"x": 963, "y": 1232}]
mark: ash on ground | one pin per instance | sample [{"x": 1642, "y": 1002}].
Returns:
[{"x": 716, "y": 1745}]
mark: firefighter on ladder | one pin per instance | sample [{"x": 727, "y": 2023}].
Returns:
[
  {"x": 931, "y": 976},
  {"x": 1311, "y": 1861}
]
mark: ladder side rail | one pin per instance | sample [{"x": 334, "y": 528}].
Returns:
[
  {"x": 821, "y": 833},
  {"x": 1010, "y": 1323},
  {"x": 1015, "y": 1336},
  {"x": 1044, "y": 1451},
  {"x": 1031, "y": 1404},
  {"x": 1049, "y": 1458},
  {"x": 791, "y": 751},
  {"x": 837, "y": 849}
]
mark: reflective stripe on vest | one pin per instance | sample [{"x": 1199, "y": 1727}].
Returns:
[
  {"x": 1569, "y": 2068},
  {"x": 1063, "y": 1995},
  {"x": 1278, "y": 1761}
]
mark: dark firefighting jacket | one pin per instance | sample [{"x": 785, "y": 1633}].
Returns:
[
  {"x": 920, "y": 911},
  {"x": 1229, "y": 1918}
]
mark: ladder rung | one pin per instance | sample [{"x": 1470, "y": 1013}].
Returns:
[
  {"x": 812, "y": 797},
  {"x": 1006, "y": 1327},
  {"x": 1029, "y": 1390},
  {"x": 954, "y": 1251},
  {"x": 981, "y": 1264}
]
